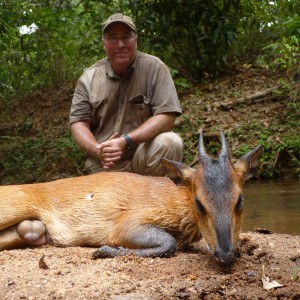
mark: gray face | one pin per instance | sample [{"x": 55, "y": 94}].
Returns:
[
  {"x": 220, "y": 195},
  {"x": 216, "y": 201}
]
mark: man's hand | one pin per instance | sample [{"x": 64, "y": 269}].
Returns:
[{"x": 111, "y": 151}]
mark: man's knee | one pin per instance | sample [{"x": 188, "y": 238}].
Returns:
[
  {"x": 169, "y": 144},
  {"x": 146, "y": 160}
]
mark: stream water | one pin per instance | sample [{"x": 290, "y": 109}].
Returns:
[{"x": 272, "y": 205}]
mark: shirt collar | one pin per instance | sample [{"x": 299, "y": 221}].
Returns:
[{"x": 112, "y": 74}]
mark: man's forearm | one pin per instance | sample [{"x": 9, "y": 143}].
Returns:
[
  {"x": 152, "y": 127},
  {"x": 85, "y": 139}
]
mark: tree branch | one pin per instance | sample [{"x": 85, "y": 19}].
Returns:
[{"x": 249, "y": 99}]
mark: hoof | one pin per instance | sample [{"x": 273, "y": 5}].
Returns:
[
  {"x": 107, "y": 252},
  {"x": 32, "y": 232}
]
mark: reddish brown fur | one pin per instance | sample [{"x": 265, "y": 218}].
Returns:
[{"x": 115, "y": 206}]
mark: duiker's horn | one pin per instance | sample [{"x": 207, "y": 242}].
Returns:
[
  {"x": 202, "y": 153},
  {"x": 225, "y": 152}
]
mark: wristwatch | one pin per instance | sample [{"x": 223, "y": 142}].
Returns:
[{"x": 129, "y": 143}]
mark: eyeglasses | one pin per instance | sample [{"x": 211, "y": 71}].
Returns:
[{"x": 113, "y": 40}]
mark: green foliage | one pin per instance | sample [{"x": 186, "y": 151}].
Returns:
[
  {"x": 36, "y": 160},
  {"x": 194, "y": 35},
  {"x": 181, "y": 83},
  {"x": 264, "y": 23},
  {"x": 284, "y": 54},
  {"x": 273, "y": 142},
  {"x": 56, "y": 52},
  {"x": 243, "y": 148}
]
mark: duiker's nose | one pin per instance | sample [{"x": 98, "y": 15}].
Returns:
[{"x": 225, "y": 259}]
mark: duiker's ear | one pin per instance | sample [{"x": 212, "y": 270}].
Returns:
[
  {"x": 248, "y": 164},
  {"x": 178, "y": 172}
]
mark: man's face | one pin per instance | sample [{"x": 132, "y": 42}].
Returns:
[{"x": 120, "y": 44}]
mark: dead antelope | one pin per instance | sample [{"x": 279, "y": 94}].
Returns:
[{"x": 129, "y": 213}]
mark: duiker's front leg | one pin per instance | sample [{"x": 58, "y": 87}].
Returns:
[
  {"x": 28, "y": 232},
  {"x": 146, "y": 241}
]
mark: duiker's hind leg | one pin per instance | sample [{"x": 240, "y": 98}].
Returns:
[
  {"x": 146, "y": 241},
  {"x": 28, "y": 232}
]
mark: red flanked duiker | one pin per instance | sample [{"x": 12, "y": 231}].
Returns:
[{"x": 123, "y": 213}]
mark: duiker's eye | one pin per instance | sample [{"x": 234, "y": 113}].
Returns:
[
  {"x": 199, "y": 206},
  {"x": 240, "y": 202}
]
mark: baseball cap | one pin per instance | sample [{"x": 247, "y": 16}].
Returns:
[{"x": 120, "y": 18}]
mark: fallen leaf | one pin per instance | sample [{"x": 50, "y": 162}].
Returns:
[
  {"x": 267, "y": 284},
  {"x": 193, "y": 277}
]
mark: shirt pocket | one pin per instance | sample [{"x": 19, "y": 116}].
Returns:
[{"x": 140, "y": 109}]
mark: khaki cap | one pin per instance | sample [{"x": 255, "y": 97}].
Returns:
[{"x": 118, "y": 18}]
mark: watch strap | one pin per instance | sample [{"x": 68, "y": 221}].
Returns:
[{"x": 129, "y": 143}]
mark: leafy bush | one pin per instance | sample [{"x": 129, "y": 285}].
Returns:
[
  {"x": 283, "y": 55},
  {"x": 56, "y": 52},
  {"x": 194, "y": 35}
]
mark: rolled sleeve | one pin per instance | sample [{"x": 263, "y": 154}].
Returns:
[{"x": 164, "y": 98}]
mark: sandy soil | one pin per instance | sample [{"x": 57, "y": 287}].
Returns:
[{"x": 49, "y": 272}]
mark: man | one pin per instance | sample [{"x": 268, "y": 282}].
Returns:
[{"x": 124, "y": 107}]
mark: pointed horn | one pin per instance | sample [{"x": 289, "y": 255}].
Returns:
[
  {"x": 202, "y": 153},
  {"x": 225, "y": 152}
]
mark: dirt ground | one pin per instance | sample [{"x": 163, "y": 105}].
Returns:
[{"x": 49, "y": 272}]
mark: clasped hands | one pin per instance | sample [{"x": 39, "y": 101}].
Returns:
[{"x": 111, "y": 151}]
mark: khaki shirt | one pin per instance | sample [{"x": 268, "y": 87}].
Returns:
[{"x": 121, "y": 104}]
